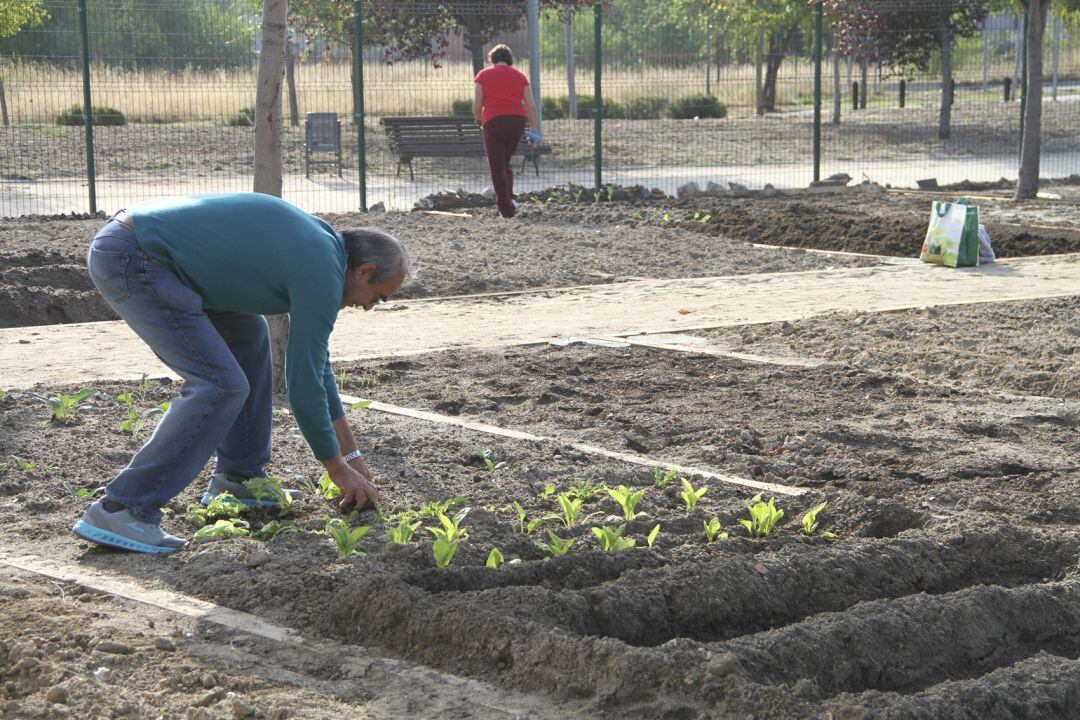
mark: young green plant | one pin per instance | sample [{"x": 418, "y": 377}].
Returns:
[
  {"x": 628, "y": 500},
  {"x": 712, "y": 530},
  {"x": 662, "y": 478},
  {"x": 653, "y": 534},
  {"x": 223, "y": 529},
  {"x": 690, "y": 496},
  {"x": 810, "y": 522},
  {"x": 345, "y": 537},
  {"x": 403, "y": 533},
  {"x": 613, "y": 540},
  {"x": 65, "y": 408},
  {"x": 763, "y": 517},
  {"x": 556, "y": 546}
]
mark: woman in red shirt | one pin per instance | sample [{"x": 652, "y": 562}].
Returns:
[{"x": 501, "y": 104}]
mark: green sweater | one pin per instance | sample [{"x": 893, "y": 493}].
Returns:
[{"x": 253, "y": 253}]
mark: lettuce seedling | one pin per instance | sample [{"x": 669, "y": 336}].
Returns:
[
  {"x": 196, "y": 515},
  {"x": 225, "y": 505},
  {"x": 571, "y": 508},
  {"x": 662, "y": 479},
  {"x": 77, "y": 493},
  {"x": 810, "y": 522},
  {"x": 223, "y": 529},
  {"x": 763, "y": 517},
  {"x": 613, "y": 540},
  {"x": 443, "y": 550},
  {"x": 494, "y": 559},
  {"x": 451, "y": 529},
  {"x": 435, "y": 509},
  {"x": 30, "y": 465},
  {"x": 628, "y": 500},
  {"x": 65, "y": 408},
  {"x": 548, "y": 491},
  {"x": 652, "y": 535},
  {"x": 485, "y": 455},
  {"x": 586, "y": 491},
  {"x": 690, "y": 496},
  {"x": 712, "y": 530},
  {"x": 403, "y": 533},
  {"x": 345, "y": 537},
  {"x": 272, "y": 529},
  {"x": 557, "y": 547},
  {"x": 268, "y": 489},
  {"x": 327, "y": 489}
]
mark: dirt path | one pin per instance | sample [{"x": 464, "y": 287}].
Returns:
[{"x": 81, "y": 352}]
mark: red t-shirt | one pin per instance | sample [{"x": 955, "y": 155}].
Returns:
[{"x": 504, "y": 88}]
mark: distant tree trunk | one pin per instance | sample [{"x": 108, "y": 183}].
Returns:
[
  {"x": 1028, "y": 184},
  {"x": 571, "y": 64},
  {"x": 1018, "y": 45},
  {"x": 474, "y": 40},
  {"x": 945, "y": 120},
  {"x": 779, "y": 42},
  {"x": 3, "y": 104},
  {"x": 863, "y": 86},
  {"x": 759, "y": 55},
  {"x": 290, "y": 79},
  {"x": 837, "y": 94},
  {"x": 268, "y": 145}
]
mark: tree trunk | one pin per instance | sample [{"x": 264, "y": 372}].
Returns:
[
  {"x": 268, "y": 145},
  {"x": 1028, "y": 184},
  {"x": 474, "y": 40},
  {"x": 778, "y": 46},
  {"x": 1018, "y": 43},
  {"x": 290, "y": 79},
  {"x": 837, "y": 94},
  {"x": 945, "y": 119},
  {"x": 759, "y": 54},
  {"x": 3, "y": 104},
  {"x": 864, "y": 88},
  {"x": 571, "y": 64}
]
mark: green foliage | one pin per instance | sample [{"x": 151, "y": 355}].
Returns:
[
  {"x": 662, "y": 479},
  {"x": 763, "y": 517},
  {"x": 647, "y": 107},
  {"x": 77, "y": 493},
  {"x": 101, "y": 115},
  {"x": 571, "y": 510},
  {"x": 613, "y": 540},
  {"x": 17, "y": 14},
  {"x": 548, "y": 491},
  {"x": 403, "y": 533},
  {"x": 244, "y": 118},
  {"x": 268, "y": 489},
  {"x": 712, "y": 530},
  {"x": 586, "y": 491},
  {"x": 553, "y": 109},
  {"x": 451, "y": 529},
  {"x": 443, "y": 550},
  {"x": 461, "y": 108},
  {"x": 130, "y": 399},
  {"x": 65, "y": 408},
  {"x": 495, "y": 559},
  {"x": 346, "y": 538},
  {"x": 272, "y": 529},
  {"x": 224, "y": 529},
  {"x": 610, "y": 109},
  {"x": 628, "y": 500},
  {"x": 653, "y": 534},
  {"x": 698, "y": 105},
  {"x": 327, "y": 489},
  {"x": 485, "y": 455},
  {"x": 556, "y": 546},
  {"x": 810, "y": 521},
  {"x": 690, "y": 496},
  {"x": 30, "y": 465}
]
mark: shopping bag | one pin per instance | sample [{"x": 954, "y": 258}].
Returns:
[{"x": 952, "y": 238}]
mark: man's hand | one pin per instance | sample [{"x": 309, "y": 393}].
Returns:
[
  {"x": 357, "y": 490},
  {"x": 361, "y": 467}
]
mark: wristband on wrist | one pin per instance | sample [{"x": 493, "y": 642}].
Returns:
[{"x": 353, "y": 455}]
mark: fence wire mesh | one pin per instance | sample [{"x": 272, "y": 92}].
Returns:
[{"x": 690, "y": 91}]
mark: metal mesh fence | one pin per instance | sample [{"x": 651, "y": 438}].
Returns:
[{"x": 688, "y": 93}]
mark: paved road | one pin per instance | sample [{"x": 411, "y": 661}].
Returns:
[
  {"x": 327, "y": 193},
  {"x": 91, "y": 351}
]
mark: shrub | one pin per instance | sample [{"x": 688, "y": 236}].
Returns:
[
  {"x": 461, "y": 108},
  {"x": 103, "y": 115},
  {"x": 554, "y": 109},
  {"x": 244, "y": 118},
  {"x": 612, "y": 110},
  {"x": 646, "y": 108},
  {"x": 700, "y": 105}
]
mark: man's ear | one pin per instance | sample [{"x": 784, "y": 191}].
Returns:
[{"x": 365, "y": 270}]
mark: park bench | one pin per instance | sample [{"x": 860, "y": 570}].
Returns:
[
  {"x": 413, "y": 137},
  {"x": 322, "y": 134}
]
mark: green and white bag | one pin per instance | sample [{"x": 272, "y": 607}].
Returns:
[{"x": 953, "y": 236}]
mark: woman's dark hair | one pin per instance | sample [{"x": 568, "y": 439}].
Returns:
[
  {"x": 370, "y": 244},
  {"x": 500, "y": 54}
]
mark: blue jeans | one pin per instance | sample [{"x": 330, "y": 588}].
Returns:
[{"x": 223, "y": 357}]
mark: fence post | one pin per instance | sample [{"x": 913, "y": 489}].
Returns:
[
  {"x": 903, "y": 91},
  {"x": 1007, "y": 85},
  {"x": 1024, "y": 82},
  {"x": 358, "y": 101},
  {"x": 818, "y": 32},
  {"x": 88, "y": 109},
  {"x": 854, "y": 94},
  {"x": 597, "y": 101}
]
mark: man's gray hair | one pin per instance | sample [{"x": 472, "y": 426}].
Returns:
[{"x": 368, "y": 244}]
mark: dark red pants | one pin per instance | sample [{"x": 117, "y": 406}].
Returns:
[{"x": 501, "y": 136}]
